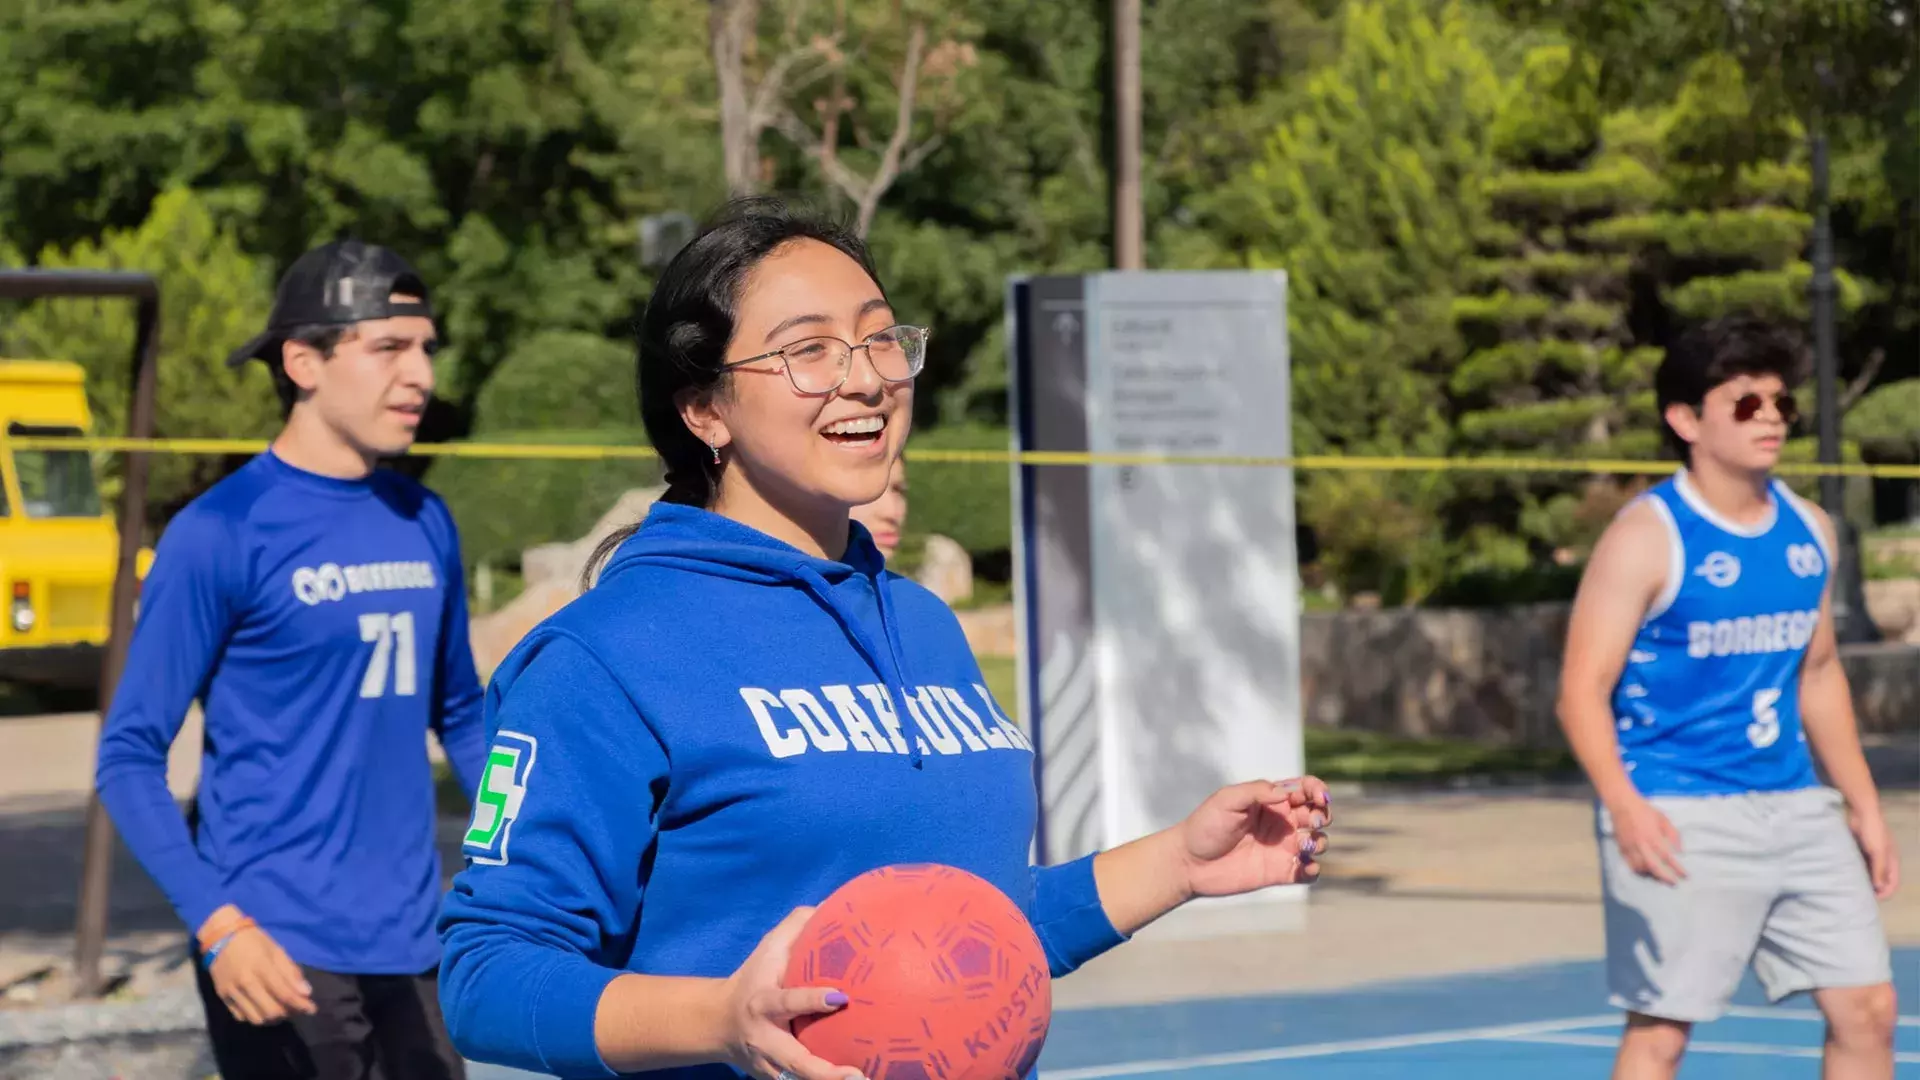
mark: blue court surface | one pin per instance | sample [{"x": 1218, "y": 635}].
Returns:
[
  {"x": 1533, "y": 1022},
  {"x": 1550, "y": 1021}
]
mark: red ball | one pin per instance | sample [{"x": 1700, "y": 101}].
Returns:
[{"x": 944, "y": 975}]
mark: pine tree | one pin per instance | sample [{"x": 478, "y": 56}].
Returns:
[
  {"x": 1552, "y": 370},
  {"x": 1731, "y": 229},
  {"x": 1367, "y": 196}
]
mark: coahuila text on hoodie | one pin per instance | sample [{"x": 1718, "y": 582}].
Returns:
[{"x": 831, "y": 719}]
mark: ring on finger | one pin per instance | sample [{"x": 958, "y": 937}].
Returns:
[{"x": 787, "y": 1074}]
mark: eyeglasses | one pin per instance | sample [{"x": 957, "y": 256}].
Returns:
[
  {"x": 820, "y": 365},
  {"x": 1748, "y": 406}
]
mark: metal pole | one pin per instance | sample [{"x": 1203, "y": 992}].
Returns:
[
  {"x": 1826, "y": 359},
  {"x": 1850, "y": 623},
  {"x": 1129, "y": 229},
  {"x": 90, "y": 930}
]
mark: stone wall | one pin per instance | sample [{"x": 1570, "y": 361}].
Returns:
[
  {"x": 1886, "y": 686},
  {"x": 1492, "y": 675},
  {"x": 1488, "y": 675}
]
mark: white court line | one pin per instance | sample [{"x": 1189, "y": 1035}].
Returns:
[
  {"x": 1748, "y": 1012},
  {"x": 1754, "y": 1049},
  {"x": 1328, "y": 1049}
]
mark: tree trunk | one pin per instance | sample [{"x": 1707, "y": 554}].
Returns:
[{"x": 730, "y": 24}]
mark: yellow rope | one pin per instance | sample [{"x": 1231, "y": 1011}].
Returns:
[{"x": 1312, "y": 462}]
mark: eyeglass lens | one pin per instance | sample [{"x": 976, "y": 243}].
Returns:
[
  {"x": 1748, "y": 407},
  {"x": 817, "y": 365}
]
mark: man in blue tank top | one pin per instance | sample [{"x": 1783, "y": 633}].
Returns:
[
  {"x": 314, "y": 605},
  {"x": 1701, "y": 678}
]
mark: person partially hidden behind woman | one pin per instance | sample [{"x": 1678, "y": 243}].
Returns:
[
  {"x": 885, "y": 518},
  {"x": 746, "y": 710}
]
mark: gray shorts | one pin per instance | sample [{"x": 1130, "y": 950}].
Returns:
[{"x": 1774, "y": 880}]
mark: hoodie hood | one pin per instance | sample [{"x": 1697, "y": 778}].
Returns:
[
  {"x": 694, "y": 540},
  {"x": 702, "y": 542}
]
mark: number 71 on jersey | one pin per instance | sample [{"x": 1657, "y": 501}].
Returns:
[{"x": 392, "y": 638}]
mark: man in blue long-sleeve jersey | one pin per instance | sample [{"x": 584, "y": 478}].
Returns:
[{"x": 314, "y": 605}]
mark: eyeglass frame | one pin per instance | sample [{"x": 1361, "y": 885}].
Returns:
[
  {"x": 1785, "y": 406},
  {"x": 865, "y": 343}
]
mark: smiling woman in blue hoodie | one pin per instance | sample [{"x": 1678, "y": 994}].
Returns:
[{"x": 746, "y": 710}]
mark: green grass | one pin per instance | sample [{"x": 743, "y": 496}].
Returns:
[
  {"x": 987, "y": 594},
  {"x": 1364, "y": 755},
  {"x": 1003, "y": 679},
  {"x": 1332, "y": 755}
]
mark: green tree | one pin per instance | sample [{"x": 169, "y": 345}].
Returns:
[
  {"x": 213, "y": 297},
  {"x": 1018, "y": 183},
  {"x": 507, "y": 146},
  {"x": 1610, "y": 232},
  {"x": 1847, "y": 68},
  {"x": 1887, "y": 423},
  {"x": 560, "y": 379},
  {"x": 1369, "y": 197},
  {"x": 1551, "y": 369},
  {"x": 1730, "y": 230}
]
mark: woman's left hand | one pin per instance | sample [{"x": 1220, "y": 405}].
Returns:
[{"x": 1254, "y": 835}]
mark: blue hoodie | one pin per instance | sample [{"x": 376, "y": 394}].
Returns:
[{"x": 723, "y": 729}]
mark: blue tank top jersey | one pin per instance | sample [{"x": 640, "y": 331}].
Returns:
[{"x": 1709, "y": 700}]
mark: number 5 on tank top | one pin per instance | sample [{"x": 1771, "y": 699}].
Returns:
[
  {"x": 381, "y": 630},
  {"x": 1766, "y": 722}
]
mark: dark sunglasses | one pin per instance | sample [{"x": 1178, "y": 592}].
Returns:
[{"x": 1748, "y": 407}]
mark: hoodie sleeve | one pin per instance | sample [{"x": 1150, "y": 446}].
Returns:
[
  {"x": 1066, "y": 915},
  {"x": 532, "y": 926}
]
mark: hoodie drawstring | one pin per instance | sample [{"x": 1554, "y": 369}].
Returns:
[{"x": 894, "y": 682}]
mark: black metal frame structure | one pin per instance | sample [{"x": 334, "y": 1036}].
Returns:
[{"x": 90, "y": 931}]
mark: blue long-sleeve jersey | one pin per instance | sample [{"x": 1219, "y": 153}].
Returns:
[
  {"x": 322, "y": 625},
  {"x": 721, "y": 730}
]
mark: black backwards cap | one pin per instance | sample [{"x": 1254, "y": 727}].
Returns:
[{"x": 338, "y": 284}]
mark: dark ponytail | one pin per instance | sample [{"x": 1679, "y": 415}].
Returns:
[{"x": 687, "y": 326}]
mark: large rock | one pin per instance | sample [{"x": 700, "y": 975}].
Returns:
[
  {"x": 551, "y": 577},
  {"x": 946, "y": 569},
  {"x": 991, "y": 631},
  {"x": 549, "y": 562},
  {"x": 496, "y": 633},
  {"x": 1894, "y": 607},
  {"x": 1885, "y": 679}
]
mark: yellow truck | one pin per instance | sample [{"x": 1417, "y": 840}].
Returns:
[{"x": 59, "y": 543}]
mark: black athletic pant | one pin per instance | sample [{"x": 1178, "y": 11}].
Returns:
[{"x": 365, "y": 1027}]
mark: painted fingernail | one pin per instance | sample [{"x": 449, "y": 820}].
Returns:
[
  {"x": 1307, "y": 848},
  {"x": 836, "y": 999},
  {"x": 1319, "y": 821}
]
